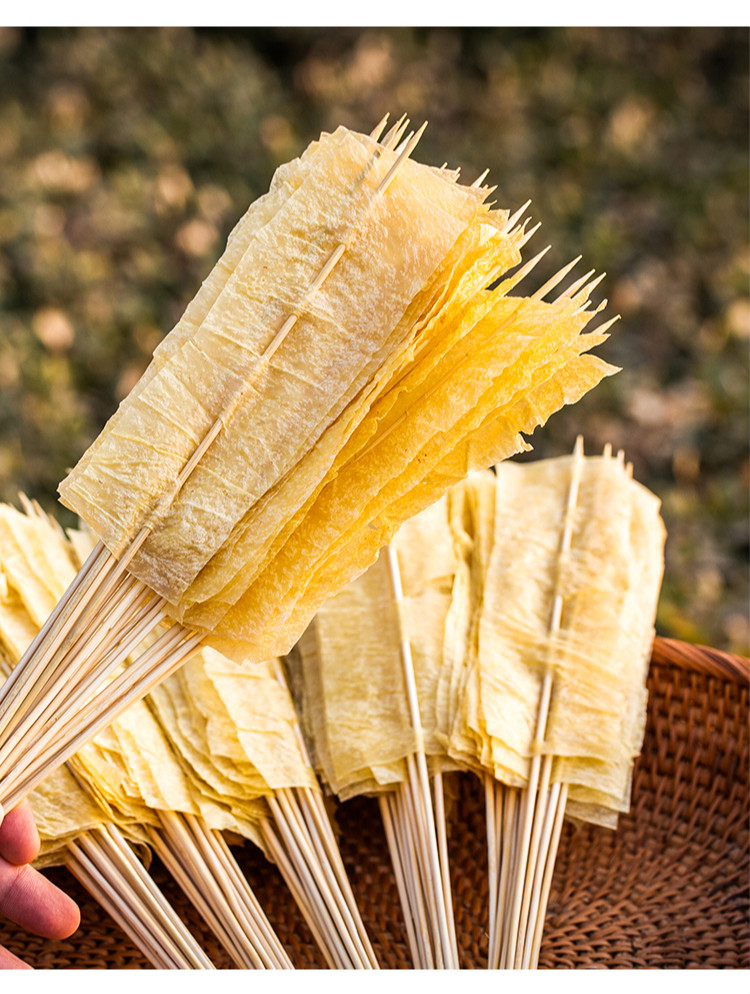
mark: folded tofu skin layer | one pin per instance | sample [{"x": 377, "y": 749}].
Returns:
[{"x": 345, "y": 405}]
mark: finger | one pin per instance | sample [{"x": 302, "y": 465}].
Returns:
[
  {"x": 33, "y": 902},
  {"x": 10, "y": 962},
  {"x": 19, "y": 839}
]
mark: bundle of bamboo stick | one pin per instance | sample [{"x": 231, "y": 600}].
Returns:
[
  {"x": 76, "y": 828},
  {"x": 230, "y": 760}
]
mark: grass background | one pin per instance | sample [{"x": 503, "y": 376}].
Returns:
[{"x": 126, "y": 155}]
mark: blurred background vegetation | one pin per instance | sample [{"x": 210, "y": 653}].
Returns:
[{"x": 126, "y": 155}]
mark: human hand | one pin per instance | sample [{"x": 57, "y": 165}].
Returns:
[{"x": 26, "y": 897}]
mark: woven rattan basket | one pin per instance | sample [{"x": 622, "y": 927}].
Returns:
[{"x": 669, "y": 889}]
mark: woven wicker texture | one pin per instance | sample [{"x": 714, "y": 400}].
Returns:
[{"x": 669, "y": 889}]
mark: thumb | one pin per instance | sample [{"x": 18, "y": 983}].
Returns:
[{"x": 2, "y": 814}]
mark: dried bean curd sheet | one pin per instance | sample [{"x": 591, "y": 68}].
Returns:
[
  {"x": 342, "y": 365},
  {"x": 529, "y": 637}
]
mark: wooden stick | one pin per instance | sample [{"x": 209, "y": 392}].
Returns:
[
  {"x": 161, "y": 937},
  {"x": 536, "y": 941},
  {"x": 316, "y": 922},
  {"x": 419, "y": 778},
  {"x": 401, "y": 801},
  {"x": 544, "y": 702},
  {"x": 574, "y": 287},
  {"x": 526, "y": 825},
  {"x": 105, "y": 895},
  {"x": 54, "y": 630},
  {"x": 235, "y": 888},
  {"x": 513, "y": 219},
  {"x": 271, "y": 940},
  {"x": 176, "y": 861},
  {"x": 109, "y": 844},
  {"x": 585, "y": 292},
  {"x": 114, "y": 840},
  {"x": 319, "y": 899},
  {"x": 302, "y": 846},
  {"x": 52, "y": 683},
  {"x": 394, "y": 135},
  {"x": 377, "y": 131},
  {"x": 555, "y": 280},
  {"x": 215, "y": 876},
  {"x": 55, "y": 732},
  {"x": 538, "y": 875},
  {"x": 49, "y": 716},
  {"x": 400, "y": 876},
  {"x": 528, "y": 235},
  {"x": 106, "y": 865},
  {"x": 442, "y": 833},
  {"x": 312, "y": 844},
  {"x": 480, "y": 179},
  {"x": 80, "y": 731},
  {"x": 509, "y": 861},
  {"x": 425, "y": 876},
  {"x": 424, "y": 894},
  {"x": 176, "y": 847},
  {"x": 403, "y": 156},
  {"x": 490, "y": 790},
  {"x": 311, "y": 804},
  {"x": 539, "y": 818}
]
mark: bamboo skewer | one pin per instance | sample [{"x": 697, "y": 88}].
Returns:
[
  {"x": 406, "y": 863},
  {"x": 440, "y": 821},
  {"x": 169, "y": 653},
  {"x": 301, "y": 882},
  {"x": 108, "y": 868},
  {"x": 535, "y": 830},
  {"x": 240, "y": 899},
  {"x": 497, "y": 846},
  {"x": 409, "y": 881},
  {"x": 216, "y": 841},
  {"x": 308, "y": 885},
  {"x": 100, "y": 888},
  {"x": 431, "y": 869},
  {"x": 135, "y": 873},
  {"x": 535, "y": 890},
  {"x": 53, "y": 709},
  {"x": 319, "y": 828},
  {"x": 313, "y": 816},
  {"x": 204, "y": 867},
  {"x": 313, "y": 869},
  {"x": 288, "y": 817},
  {"x": 507, "y": 798},
  {"x": 424, "y": 881},
  {"x": 214, "y": 917},
  {"x": 420, "y": 895},
  {"x": 407, "y": 901},
  {"x": 304, "y": 899},
  {"x": 536, "y": 847},
  {"x": 527, "y": 824},
  {"x": 492, "y": 800},
  {"x": 536, "y": 935}
]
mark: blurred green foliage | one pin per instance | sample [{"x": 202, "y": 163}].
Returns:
[{"x": 127, "y": 154}]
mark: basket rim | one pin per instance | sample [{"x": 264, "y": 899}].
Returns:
[{"x": 701, "y": 659}]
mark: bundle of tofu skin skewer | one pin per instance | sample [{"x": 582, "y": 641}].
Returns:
[{"x": 328, "y": 408}]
